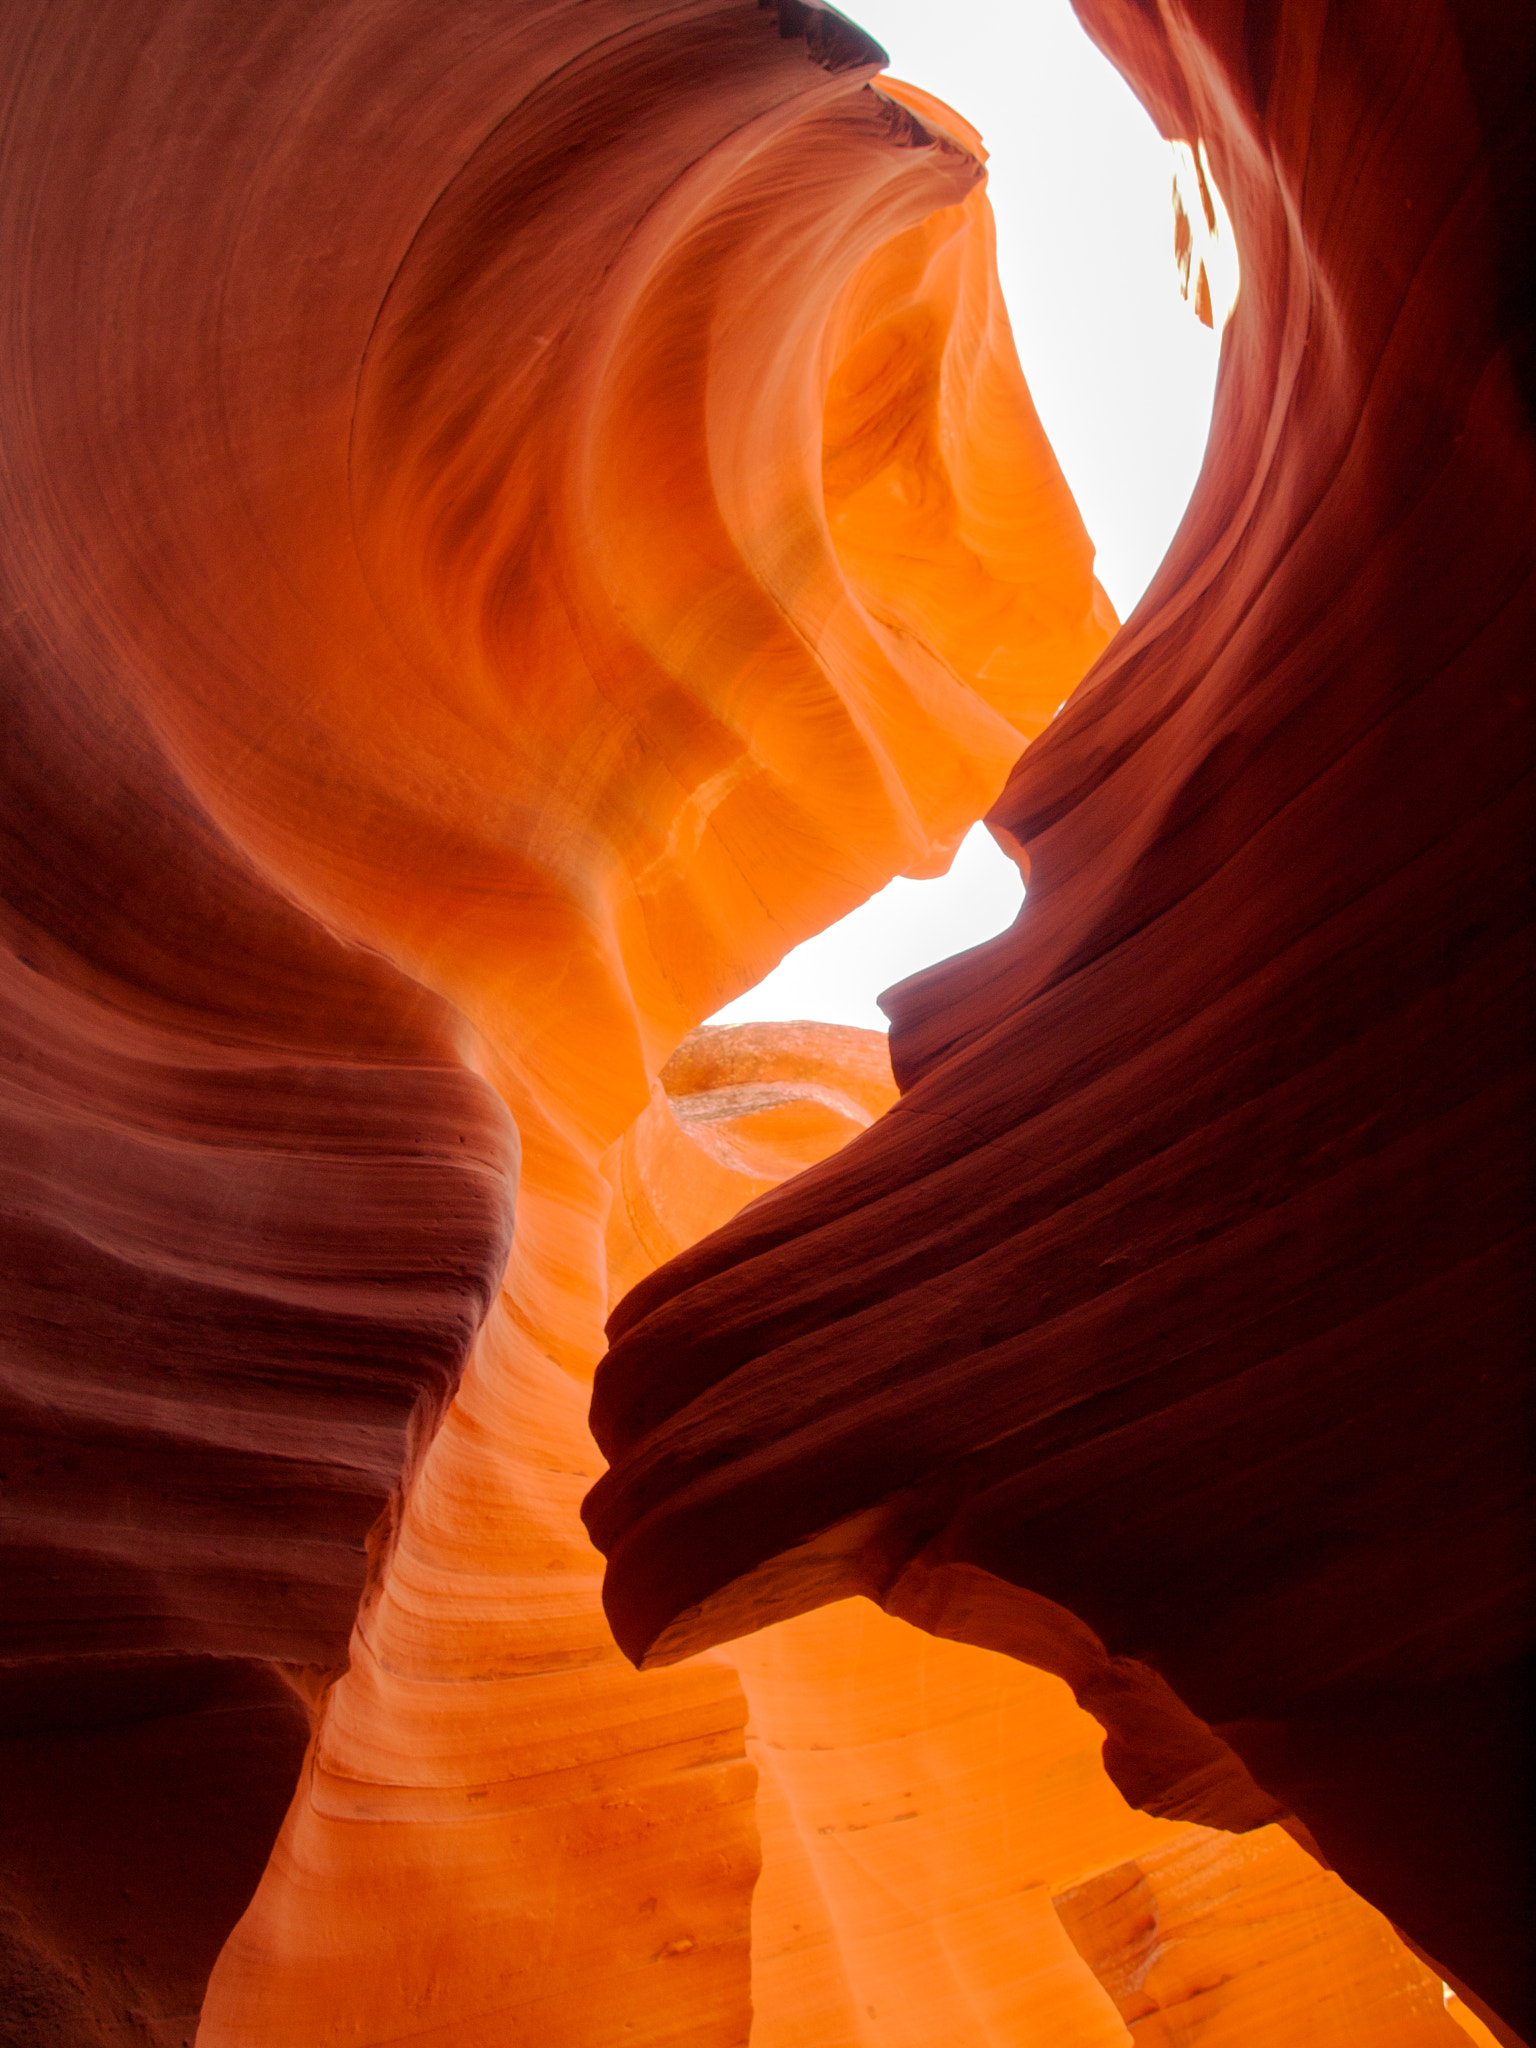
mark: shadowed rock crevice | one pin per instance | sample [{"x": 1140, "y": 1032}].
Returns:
[
  {"x": 1187, "y": 1288},
  {"x": 439, "y": 670}
]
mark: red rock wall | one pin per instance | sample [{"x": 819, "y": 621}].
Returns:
[
  {"x": 458, "y": 465},
  {"x": 944, "y": 1856},
  {"x": 1173, "y": 1330}
]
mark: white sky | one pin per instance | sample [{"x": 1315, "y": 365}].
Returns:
[{"x": 1121, "y": 371}]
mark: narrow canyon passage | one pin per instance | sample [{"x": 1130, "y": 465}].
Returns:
[
  {"x": 516, "y": 517},
  {"x": 1172, "y": 1331}
]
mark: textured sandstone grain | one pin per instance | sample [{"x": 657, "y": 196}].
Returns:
[
  {"x": 514, "y": 517},
  {"x": 1177, "y": 1320},
  {"x": 944, "y": 1855},
  {"x": 439, "y": 669}
]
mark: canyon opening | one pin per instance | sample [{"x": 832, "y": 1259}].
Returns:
[{"x": 535, "y": 1517}]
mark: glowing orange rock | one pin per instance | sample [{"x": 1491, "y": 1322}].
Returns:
[
  {"x": 1223, "y": 1940},
  {"x": 519, "y": 515},
  {"x": 733, "y": 1113},
  {"x": 1173, "y": 1331},
  {"x": 453, "y": 649},
  {"x": 942, "y": 1849},
  {"x": 442, "y": 673}
]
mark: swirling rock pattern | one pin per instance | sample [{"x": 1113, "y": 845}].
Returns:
[
  {"x": 463, "y": 469},
  {"x": 943, "y": 1853},
  {"x": 1172, "y": 1332}
]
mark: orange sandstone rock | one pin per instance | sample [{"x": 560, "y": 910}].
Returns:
[
  {"x": 923, "y": 1805},
  {"x": 1174, "y": 1330},
  {"x": 517, "y": 516},
  {"x": 1216, "y": 1939},
  {"x": 733, "y": 1113},
  {"x": 453, "y": 458}
]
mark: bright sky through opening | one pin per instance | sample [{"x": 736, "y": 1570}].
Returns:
[{"x": 1121, "y": 371}]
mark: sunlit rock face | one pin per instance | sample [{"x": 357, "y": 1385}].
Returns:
[
  {"x": 733, "y": 1113},
  {"x": 944, "y": 1856},
  {"x": 515, "y": 516},
  {"x": 1171, "y": 1332}
]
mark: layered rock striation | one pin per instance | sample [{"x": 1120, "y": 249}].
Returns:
[
  {"x": 1172, "y": 1332},
  {"x": 514, "y": 517},
  {"x": 943, "y": 1854}
]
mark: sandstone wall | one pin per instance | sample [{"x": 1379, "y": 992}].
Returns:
[{"x": 1172, "y": 1333}]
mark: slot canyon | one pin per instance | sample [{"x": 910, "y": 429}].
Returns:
[{"x": 530, "y": 1517}]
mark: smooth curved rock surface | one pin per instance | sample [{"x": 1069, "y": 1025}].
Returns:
[
  {"x": 930, "y": 1813},
  {"x": 944, "y": 1856},
  {"x": 1173, "y": 1331},
  {"x": 461, "y": 471}
]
